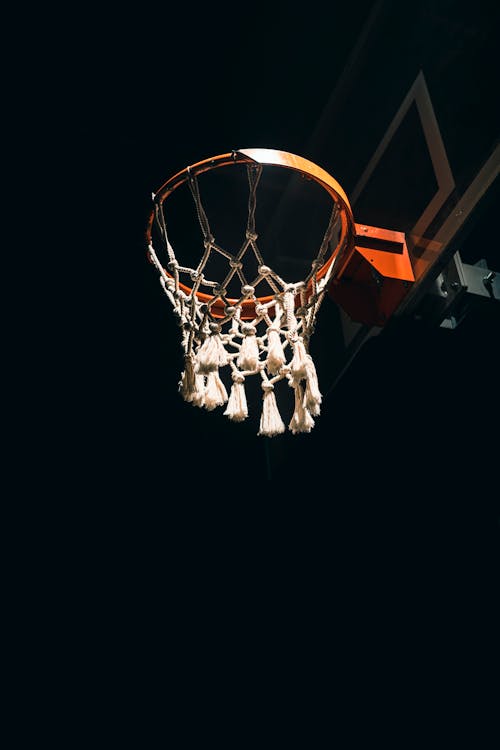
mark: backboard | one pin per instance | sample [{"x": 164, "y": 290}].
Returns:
[{"x": 421, "y": 154}]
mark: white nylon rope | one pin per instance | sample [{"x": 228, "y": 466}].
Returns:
[{"x": 274, "y": 345}]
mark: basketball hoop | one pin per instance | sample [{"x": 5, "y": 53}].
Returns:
[{"x": 265, "y": 328}]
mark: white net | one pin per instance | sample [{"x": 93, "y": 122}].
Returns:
[{"x": 254, "y": 334}]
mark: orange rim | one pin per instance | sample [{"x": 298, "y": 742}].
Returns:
[{"x": 268, "y": 157}]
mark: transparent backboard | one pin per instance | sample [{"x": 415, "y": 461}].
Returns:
[{"x": 411, "y": 131}]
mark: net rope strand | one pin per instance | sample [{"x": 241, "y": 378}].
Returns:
[{"x": 273, "y": 345}]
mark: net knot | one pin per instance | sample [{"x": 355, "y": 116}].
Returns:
[
  {"x": 294, "y": 288},
  {"x": 251, "y": 236},
  {"x": 235, "y": 264},
  {"x": 247, "y": 290}
]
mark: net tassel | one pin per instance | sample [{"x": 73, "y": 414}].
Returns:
[
  {"x": 270, "y": 420},
  {"x": 211, "y": 355},
  {"x": 301, "y": 420},
  {"x": 312, "y": 396},
  {"x": 237, "y": 408},
  {"x": 275, "y": 354},
  {"x": 215, "y": 391},
  {"x": 199, "y": 391},
  {"x": 187, "y": 384},
  {"x": 248, "y": 357},
  {"x": 192, "y": 385},
  {"x": 298, "y": 365}
]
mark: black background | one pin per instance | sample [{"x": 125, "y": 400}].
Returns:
[
  {"x": 153, "y": 93},
  {"x": 377, "y": 536}
]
